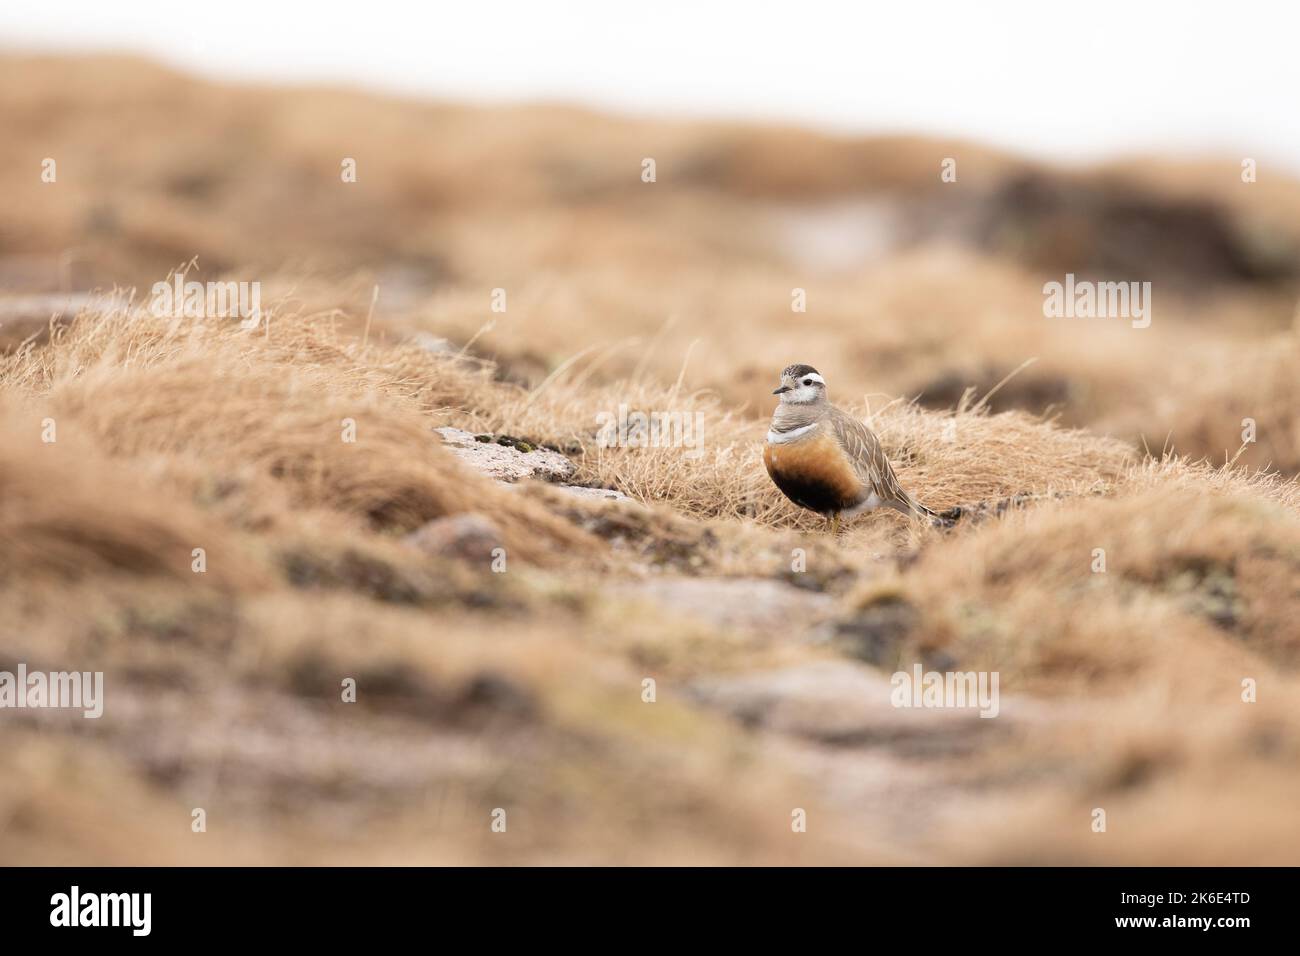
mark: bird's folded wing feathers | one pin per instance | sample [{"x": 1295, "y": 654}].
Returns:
[{"x": 867, "y": 457}]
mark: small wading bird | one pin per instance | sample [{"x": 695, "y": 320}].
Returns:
[{"x": 827, "y": 461}]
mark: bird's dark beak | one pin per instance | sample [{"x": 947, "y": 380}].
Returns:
[{"x": 783, "y": 388}]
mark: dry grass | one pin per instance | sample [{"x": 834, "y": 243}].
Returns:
[
  {"x": 1190, "y": 562},
  {"x": 257, "y": 424}
]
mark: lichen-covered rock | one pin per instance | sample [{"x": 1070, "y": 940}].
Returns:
[{"x": 505, "y": 458}]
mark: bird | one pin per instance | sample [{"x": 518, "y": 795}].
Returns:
[{"x": 825, "y": 460}]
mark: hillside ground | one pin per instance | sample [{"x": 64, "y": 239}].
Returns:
[{"x": 669, "y": 675}]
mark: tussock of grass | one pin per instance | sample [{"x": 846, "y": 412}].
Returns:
[
  {"x": 68, "y": 514},
  {"x": 1184, "y": 567},
  {"x": 235, "y": 416}
]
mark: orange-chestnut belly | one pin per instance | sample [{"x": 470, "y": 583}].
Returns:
[{"x": 815, "y": 474}]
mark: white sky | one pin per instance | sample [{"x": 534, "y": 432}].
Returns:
[{"x": 1068, "y": 81}]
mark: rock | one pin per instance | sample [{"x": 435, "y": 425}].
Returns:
[
  {"x": 840, "y": 702},
  {"x": 429, "y": 342},
  {"x": 596, "y": 494},
  {"x": 755, "y": 604},
  {"x": 505, "y": 458},
  {"x": 489, "y": 695},
  {"x": 465, "y": 537},
  {"x": 876, "y": 634},
  {"x": 30, "y": 316}
]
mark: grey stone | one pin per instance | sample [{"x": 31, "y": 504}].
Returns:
[
  {"x": 29, "y": 316},
  {"x": 504, "y": 462},
  {"x": 465, "y": 537},
  {"x": 756, "y": 604},
  {"x": 840, "y": 702},
  {"x": 596, "y": 494},
  {"x": 429, "y": 342}
]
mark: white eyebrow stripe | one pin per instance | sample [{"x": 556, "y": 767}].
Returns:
[{"x": 815, "y": 377}]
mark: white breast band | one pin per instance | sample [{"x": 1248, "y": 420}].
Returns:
[{"x": 780, "y": 438}]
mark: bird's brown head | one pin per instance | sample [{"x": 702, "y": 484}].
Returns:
[{"x": 801, "y": 385}]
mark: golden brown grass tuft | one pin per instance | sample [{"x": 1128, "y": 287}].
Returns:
[
  {"x": 1167, "y": 570},
  {"x": 257, "y": 425},
  {"x": 66, "y": 514}
]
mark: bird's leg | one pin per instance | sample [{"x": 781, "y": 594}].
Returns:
[{"x": 835, "y": 524}]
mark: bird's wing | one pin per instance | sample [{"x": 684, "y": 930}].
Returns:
[{"x": 868, "y": 459}]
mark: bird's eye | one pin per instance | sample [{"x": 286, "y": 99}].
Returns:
[{"x": 807, "y": 381}]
